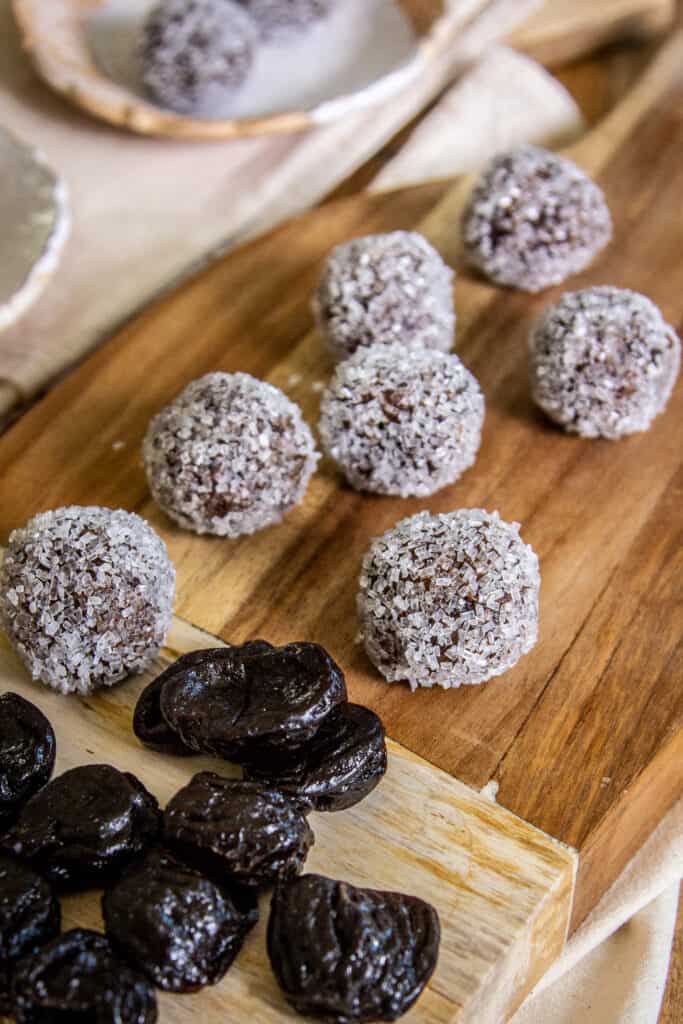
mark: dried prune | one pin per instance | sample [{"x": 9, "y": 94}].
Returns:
[
  {"x": 29, "y": 916},
  {"x": 78, "y": 978},
  {"x": 246, "y": 830},
  {"x": 343, "y": 762},
  {"x": 347, "y": 954},
  {"x": 235, "y": 705},
  {"x": 27, "y": 754},
  {"x": 176, "y": 925},
  {"x": 85, "y": 825},
  {"x": 149, "y": 724}
]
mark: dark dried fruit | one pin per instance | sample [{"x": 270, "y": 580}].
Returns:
[
  {"x": 343, "y": 762},
  {"x": 347, "y": 954},
  {"x": 27, "y": 754},
  {"x": 150, "y": 726},
  {"x": 78, "y": 978},
  {"x": 177, "y": 926},
  {"x": 246, "y": 830},
  {"x": 233, "y": 706},
  {"x": 85, "y": 826},
  {"x": 29, "y": 917}
]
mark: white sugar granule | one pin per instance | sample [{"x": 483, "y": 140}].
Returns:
[
  {"x": 86, "y": 596},
  {"x": 382, "y": 289},
  {"x": 603, "y": 362},
  {"x": 451, "y": 599},
  {"x": 400, "y": 420},
  {"x": 230, "y": 455},
  {"x": 533, "y": 219}
]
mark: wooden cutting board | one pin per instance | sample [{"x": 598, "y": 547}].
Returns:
[
  {"x": 584, "y": 736},
  {"x": 503, "y": 889}
]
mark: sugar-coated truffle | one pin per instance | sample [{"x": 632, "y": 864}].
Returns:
[
  {"x": 279, "y": 19},
  {"x": 195, "y": 51},
  {"x": 603, "y": 362},
  {"x": 385, "y": 288},
  {"x": 229, "y": 456},
  {"x": 401, "y": 420},
  {"x": 86, "y": 596},
  {"x": 448, "y": 599},
  {"x": 533, "y": 219}
]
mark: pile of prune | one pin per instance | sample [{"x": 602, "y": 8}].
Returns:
[
  {"x": 245, "y": 831},
  {"x": 349, "y": 954},
  {"x": 281, "y": 712},
  {"x": 182, "y": 929},
  {"x": 84, "y": 826},
  {"x": 181, "y": 888},
  {"x": 27, "y": 754}
]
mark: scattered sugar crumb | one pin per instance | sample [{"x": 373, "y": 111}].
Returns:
[
  {"x": 294, "y": 379},
  {"x": 490, "y": 790},
  {"x": 118, "y": 445},
  {"x": 318, "y": 386}
]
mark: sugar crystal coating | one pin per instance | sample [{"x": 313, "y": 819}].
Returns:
[
  {"x": 385, "y": 288},
  {"x": 448, "y": 599},
  {"x": 86, "y": 596},
  {"x": 280, "y": 19},
  {"x": 533, "y": 219},
  {"x": 401, "y": 420},
  {"x": 195, "y": 50},
  {"x": 603, "y": 362},
  {"x": 230, "y": 455}
]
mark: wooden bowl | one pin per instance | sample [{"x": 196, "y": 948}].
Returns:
[{"x": 59, "y": 39}]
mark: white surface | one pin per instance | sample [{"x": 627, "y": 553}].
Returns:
[
  {"x": 614, "y": 968},
  {"x": 335, "y": 59},
  {"x": 35, "y": 225}
]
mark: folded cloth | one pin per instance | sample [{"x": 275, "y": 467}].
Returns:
[{"x": 615, "y": 966}]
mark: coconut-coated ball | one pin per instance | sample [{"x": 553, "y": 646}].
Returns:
[
  {"x": 229, "y": 456},
  {"x": 603, "y": 362},
  {"x": 385, "y": 288},
  {"x": 279, "y": 19},
  {"x": 86, "y": 596},
  {"x": 195, "y": 52},
  {"x": 400, "y": 420},
  {"x": 448, "y": 599},
  {"x": 533, "y": 219}
]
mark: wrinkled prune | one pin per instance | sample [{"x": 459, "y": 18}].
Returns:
[
  {"x": 254, "y": 834},
  {"x": 27, "y": 754},
  {"x": 78, "y": 978},
  {"x": 149, "y": 724},
  {"x": 29, "y": 917},
  {"x": 343, "y": 762},
  {"x": 347, "y": 954},
  {"x": 85, "y": 825},
  {"x": 176, "y": 925},
  {"x": 235, "y": 705}
]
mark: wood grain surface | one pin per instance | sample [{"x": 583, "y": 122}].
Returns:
[
  {"x": 503, "y": 890},
  {"x": 584, "y": 735}
]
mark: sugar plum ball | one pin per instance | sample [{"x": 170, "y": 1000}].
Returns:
[
  {"x": 194, "y": 52},
  {"x": 381, "y": 289},
  {"x": 534, "y": 219},
  {"x": 401, "y": 420},
  {"x": 229, "y": 456},
  {"x": 603, "y": 362},
  {"x": 449, "y": 599},
  {"x": 86, "y": 596}
]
